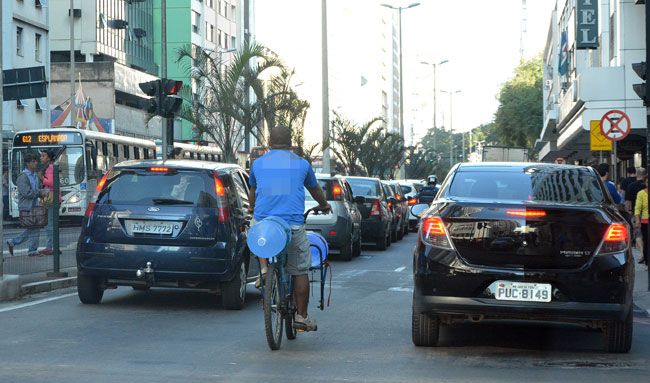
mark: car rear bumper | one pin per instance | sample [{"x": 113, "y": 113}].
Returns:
[
  {"x": 495, "y": 309},
  {"x": 373, "y": 229},
  {"x": 169, "y": 263},
  {"x": 336, "y": 234}
]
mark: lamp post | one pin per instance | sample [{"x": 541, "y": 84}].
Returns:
[
  {"x": 401, "y": 94},
  {"x": 451, "y": 124},
  {"x": 325, "y": 85},
  {"x": 435, "y": 93}
]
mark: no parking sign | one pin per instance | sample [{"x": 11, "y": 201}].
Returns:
[{"x": 615, "y": 125}]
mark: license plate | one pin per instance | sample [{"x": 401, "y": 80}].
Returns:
[
  {"x": 522, "y": 291},
  {"x": 150, "y": 227}
]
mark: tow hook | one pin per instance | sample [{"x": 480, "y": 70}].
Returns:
[{"x": 147, "y": 272}]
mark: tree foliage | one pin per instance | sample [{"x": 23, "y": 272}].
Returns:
[{"x": 518, "y": 120}]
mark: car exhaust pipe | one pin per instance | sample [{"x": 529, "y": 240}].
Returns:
[
  {"x": 146, "y": 272},
  {"x": 476, "y": 318}
]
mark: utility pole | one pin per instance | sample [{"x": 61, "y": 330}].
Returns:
[
  {"x": 451, "y": 125},
  {"x": 164, "y": 122},
  {"x": 73, "y": 112},
  {"x": 325, "y": 85},
  {"x": 435, "y": 94},
  {"x": 2, "y": 128}
]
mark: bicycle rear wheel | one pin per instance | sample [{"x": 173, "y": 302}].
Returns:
[
  {"x": 272, "y": 313},
  {"x": 288, "y": 326}
]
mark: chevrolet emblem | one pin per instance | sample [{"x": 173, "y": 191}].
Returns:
[{"x": 525, "y": 230}]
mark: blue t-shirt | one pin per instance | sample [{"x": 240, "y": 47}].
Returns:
[
  {"x": 280, "y": 178},
  {"x": 613, "y": 192}
]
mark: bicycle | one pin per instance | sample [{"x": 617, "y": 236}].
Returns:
[{"x": 278, "y": 302}]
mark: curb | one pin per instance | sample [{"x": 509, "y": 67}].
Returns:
[{"x": 49, "y": 285}]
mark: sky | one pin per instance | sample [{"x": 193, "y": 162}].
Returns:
[{"x": 480, "y": 38}]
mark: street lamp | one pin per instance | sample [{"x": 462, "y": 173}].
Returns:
[
  {"x": 435, "y": 104},
  {"x": 451, "y": 124},
  {"x": 401, "y": 98}
]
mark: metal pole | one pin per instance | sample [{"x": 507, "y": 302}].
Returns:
[
  {"x": 451, "y": 129},
  {"x": 325, "y": 84},
  {"x": 73, "y": 114},
  {"x": 55, "y": 219},
  {"x": 163, "y": 72},
  {"x": 435, "y": 105},
  {"x": 2, "y": 128},
  {"x": 401, "y": 92},
  {"x": 463, "y": 149},
  {"x": 647, "y": 129}
]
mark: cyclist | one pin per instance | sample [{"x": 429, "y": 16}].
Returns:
[{"x": 277, "y": 181}]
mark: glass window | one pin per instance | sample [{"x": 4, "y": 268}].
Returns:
[
  {"x": 19, "y": 41},
  {"x": 577, "y": 185},
  {"x": 406, "y": 189},
  {"x": 364, "y": 187},
  {"x": 126, "y": 152},
  {"x": 242, "y": 191},
  {"x": 37, "y": 47}
]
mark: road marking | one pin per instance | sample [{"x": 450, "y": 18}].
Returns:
[
  {"x": 399, "y": 269},
  {"x": 366, "y": 256},
  {"x": 34, "y": 303},
  {"x": 401, "y": 289}
]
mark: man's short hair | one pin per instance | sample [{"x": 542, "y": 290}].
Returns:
[
  {"x": 641, "y": 172},
  {"x": 631, "y": 170},
  {"x": 560, "y": 160},
  {"x": 280, "y": 136},
  {"x": 603, "y": 169},
  {"x": 29, "y": 157}
]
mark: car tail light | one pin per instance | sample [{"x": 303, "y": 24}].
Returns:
[
  {"x": 337, "y": 192},
  {"x": 222, "y": 200},
  {"x": 390, "y": 205},
  {"x": 526, "y": 213},
  {"x": 332, "y": 233},
  {"x": 434, "y": 232},
  {"x": 89, "y": 209},
  {"x": 413, "y": 201},
  {"x": 615, "y": 240},
  {"x": 159, "y": 169},
  {"x": 376, "y": 209},
  {"x": 102, "y": 182},
  {"x": 100, "y": 186}
]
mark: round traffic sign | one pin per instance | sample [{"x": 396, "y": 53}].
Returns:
[{"x": 615, "y": 125}]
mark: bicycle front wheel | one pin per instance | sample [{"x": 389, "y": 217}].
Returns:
[{"x": 272, "y": 311}]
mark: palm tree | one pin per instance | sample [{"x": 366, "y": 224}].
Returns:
[{"x": 348, "y": 139}]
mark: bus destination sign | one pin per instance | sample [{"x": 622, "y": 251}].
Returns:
[{"x": 46, "y": 138}]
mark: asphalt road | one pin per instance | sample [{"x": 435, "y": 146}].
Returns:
[{"x": 364, "y": 336}]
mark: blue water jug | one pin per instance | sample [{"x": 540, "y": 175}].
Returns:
[
  {"x": 269, "y": 237},
  {"x": 318, "y": 249}
]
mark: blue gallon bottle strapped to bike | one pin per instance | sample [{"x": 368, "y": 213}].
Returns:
[
  {"x": 318, "y": 249},
  {"x": 269, "y": 237}
]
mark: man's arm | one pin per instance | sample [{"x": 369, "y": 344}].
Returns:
[
  {"x": 251, "y": 199},
  {"x": 317, "y": 194}
]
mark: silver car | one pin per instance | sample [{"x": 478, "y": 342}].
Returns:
[
  {"x": 411, "y": 188},
  {"x": 342, "y": 227}
]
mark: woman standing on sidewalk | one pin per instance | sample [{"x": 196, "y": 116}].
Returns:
[
  {"x": 641, "y": 218},
  {"x": 47, "y": 178}
]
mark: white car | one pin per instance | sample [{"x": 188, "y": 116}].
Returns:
[{"x": 411, "y": 188}]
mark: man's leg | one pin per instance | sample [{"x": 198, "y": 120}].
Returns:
[{"x": 301, "y": 293}]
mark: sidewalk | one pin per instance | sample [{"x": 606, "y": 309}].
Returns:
[{"x": 641, "y": 294}]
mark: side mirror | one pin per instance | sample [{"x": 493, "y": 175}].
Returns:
[
  {"x": 359, "y": 199},
  {"x": 419, "y": 209}
]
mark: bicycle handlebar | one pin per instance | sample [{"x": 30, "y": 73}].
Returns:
[{"x": 316, "y": 210}]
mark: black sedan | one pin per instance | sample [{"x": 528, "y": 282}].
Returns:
[{"x": 523, "y": 241}]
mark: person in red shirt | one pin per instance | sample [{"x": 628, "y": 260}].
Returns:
[{"x": 47, "y": 179}]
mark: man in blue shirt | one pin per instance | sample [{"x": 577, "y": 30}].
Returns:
[
  {"x": 277, "y": 183},
  {"x": 603, "y": 171}
]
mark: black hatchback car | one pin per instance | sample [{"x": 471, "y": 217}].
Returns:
[
  {"x": 523, "y": 241},
  {"x": 376, "y": 216},
  {"x": 166, "y": 224}
]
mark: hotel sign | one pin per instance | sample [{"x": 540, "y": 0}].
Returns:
[{"x": 586, "y": 24}]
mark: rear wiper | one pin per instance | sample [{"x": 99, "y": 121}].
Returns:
[{"x": 171, "y": 201}]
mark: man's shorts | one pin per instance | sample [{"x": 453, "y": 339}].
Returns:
[{"x": 298, "y": 255}]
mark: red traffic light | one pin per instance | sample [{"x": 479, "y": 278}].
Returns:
[{"x": 171, "y": 87}]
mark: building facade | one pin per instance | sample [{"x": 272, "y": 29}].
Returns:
[
  {"x": 581, "y": 85},
  {"x": 25, "y": 33}
]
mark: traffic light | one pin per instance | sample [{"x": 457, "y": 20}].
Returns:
[
  {"x": 640, "y": 69},
  {"x": 170, "y": 103},
  {"x": 164, "y": 101},
  {"x": 152, "y": 89}
]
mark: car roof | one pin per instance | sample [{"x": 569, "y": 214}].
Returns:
[
  {"x": 178, "y": 164},
  {"x": 513, "y": 166},
  {"x": 364, "y": 178},
  {"x": 325, "y": 176}
]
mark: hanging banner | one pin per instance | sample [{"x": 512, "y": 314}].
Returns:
[{"x": 586, "y": 24}]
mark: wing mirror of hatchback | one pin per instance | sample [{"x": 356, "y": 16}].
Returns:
[
  {"x": 419, "y": 209},
  {"x": 359, "y": 199}
]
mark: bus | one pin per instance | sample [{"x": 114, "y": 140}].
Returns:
[
  {"x": 193, "y": 152},
  {"x": 83, "y": 155}
]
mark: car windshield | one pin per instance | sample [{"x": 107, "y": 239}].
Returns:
[
  {"x": 364, "y": 188},
  {"x": 570, "y": 185},
  {"x": 327, "y": 190},
  {"x": 72, "y": 169},
  {"x": 138, "y": 187}
]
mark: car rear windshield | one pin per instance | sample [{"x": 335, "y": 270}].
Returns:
[
  {"x": 143, "y": 187},
  {"x": 557, "y": 185},
  {"x": 364, "y": 188},
  {"x": 327, "y": 190},
  {"x": 406, "y": 189}
]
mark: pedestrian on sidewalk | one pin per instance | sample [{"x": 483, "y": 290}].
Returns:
[
  {"x": 5, "y": 194},
  {"x": 641, "y": 219},
  {"x": 603, "y": 171},
  {"x": 47, "y": 179},
  {"x": 29, "y": 191}
]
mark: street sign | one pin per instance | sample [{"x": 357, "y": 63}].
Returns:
[
  {"x": 615, "y": 125},
  {"x": 24, "y": 83},
  {"x": 597, "y": 141}
]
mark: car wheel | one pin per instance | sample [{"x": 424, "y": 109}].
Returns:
[
  {"x": 233, "y": 293},
  {"x": 393, "y": 235},
  {"x": 618, "y": 334},
  {"x": 357, "y": 247},
  {"x": 89, "y": 289},
  {"x": 405, "y": 229},
  {"x": 382, "y": 243},
  {"x": 400, "y": 232},
  {"x": 425, "y": 329},
  {"x": 346, "y": 251}
]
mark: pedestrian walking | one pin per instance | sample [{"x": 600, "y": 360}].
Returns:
[
  {"x": 641, "y": 219},
  {"x": 47, "y": 180},
  {"x": 5, "y": 194},
  {"x": 603, "y": 171},
  {"x": 29, "y": 191},
  {"x": 627, "y": 181}
]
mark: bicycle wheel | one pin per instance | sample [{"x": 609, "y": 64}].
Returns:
[
  {"x": 288, "y": 325},
  {"x": 272, "y": 313}
]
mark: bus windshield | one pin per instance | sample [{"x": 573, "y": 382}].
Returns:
[{"x": 71, "y": 164}]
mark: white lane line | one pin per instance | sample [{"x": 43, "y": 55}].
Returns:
[
  {"x": 399, "y": 269},
  {"x": 401, "y": 289},
  {"x": 34, "y": 303}
]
